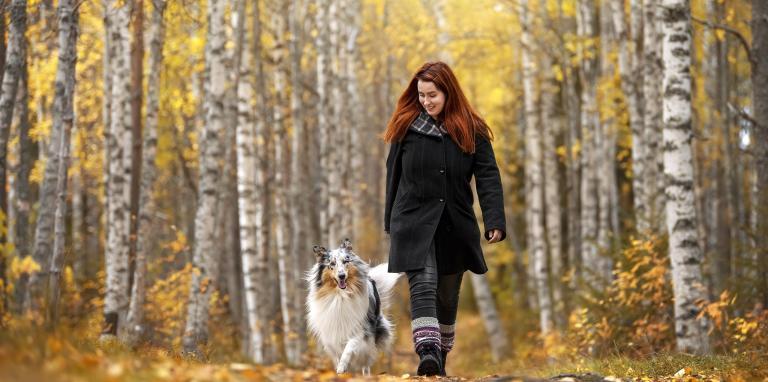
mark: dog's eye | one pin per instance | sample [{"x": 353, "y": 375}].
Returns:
[{"x": 333, "y": 264}]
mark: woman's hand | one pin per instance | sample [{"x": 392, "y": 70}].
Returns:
[{"x": 495, "y": 236}]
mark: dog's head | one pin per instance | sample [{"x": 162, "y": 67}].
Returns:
[{"x": 339, "y": 267}]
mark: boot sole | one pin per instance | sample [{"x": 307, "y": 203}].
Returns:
[{"x": 429, "y": 367}]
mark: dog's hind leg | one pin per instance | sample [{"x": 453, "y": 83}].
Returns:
[
  {"x": 366, "y": 371},
  {"x": 350, "y": 349}
]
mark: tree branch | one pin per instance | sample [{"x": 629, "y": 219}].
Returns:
[
  {"x": 743, "y": 114},
  {"x": 739, "y": 36}
]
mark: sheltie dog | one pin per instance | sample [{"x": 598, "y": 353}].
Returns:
[{"x": 345, "y": 307}]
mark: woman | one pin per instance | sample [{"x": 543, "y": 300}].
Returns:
[{"x": 437, "y": 143}]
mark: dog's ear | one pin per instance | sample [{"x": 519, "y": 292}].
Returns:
[
  {"x": 346, "y": 244},
  {"x": 319, "y": 251}
]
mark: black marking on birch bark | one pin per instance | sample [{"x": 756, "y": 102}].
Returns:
[
  {"x": 680, "y": 52},
  {"x": 676, "y": 91},
  {"x": 684, "y": 224},
  {"x": 686, "y": 185},
  {"x": 689, "y": 243},
  {"x": 674, "y": 15},
  {"x": 691, "y": 260},
  {"x": 678, "y": 37},
  {"x": 689, "y": 314}
]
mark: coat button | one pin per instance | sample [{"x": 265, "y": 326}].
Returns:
[{"x": 442, "y": 200}]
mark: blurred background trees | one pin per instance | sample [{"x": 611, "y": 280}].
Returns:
[{"x": 214, "y": 142}]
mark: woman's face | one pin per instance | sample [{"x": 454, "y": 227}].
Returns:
[{"x": 431, "y": 98}]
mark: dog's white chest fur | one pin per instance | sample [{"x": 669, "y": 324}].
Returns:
[{"x": 336, "y": 318}]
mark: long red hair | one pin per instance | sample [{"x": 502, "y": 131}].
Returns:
[{"x": 459, "y": 118}]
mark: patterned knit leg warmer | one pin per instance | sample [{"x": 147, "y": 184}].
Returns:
[
  {"x": 426, "y": 333},
  {"x": 447, "y": 335}
]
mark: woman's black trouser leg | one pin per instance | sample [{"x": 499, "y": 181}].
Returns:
[
  {"x": 426, "y": 331},
  {"x": 434, "y": 302}
]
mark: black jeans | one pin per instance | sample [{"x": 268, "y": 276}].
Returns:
[{"x": 434, "y": 295}]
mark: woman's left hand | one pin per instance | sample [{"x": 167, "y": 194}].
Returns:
[{"x": 495, "y": 236}]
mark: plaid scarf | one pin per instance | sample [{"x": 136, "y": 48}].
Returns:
[{"x": 426, "y": 125}]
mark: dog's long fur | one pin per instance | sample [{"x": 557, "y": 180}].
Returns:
[{"x": 345, "y": 307}]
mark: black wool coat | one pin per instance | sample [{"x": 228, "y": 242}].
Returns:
[{"x": 428, "y": 176}]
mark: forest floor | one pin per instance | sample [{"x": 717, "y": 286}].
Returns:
[{"x": 76, "y": 357}]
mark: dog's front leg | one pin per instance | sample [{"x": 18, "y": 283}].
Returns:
[{"x": 346, "y": 356}]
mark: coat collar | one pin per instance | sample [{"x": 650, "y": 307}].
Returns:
[{"x": 425, "y": 124}]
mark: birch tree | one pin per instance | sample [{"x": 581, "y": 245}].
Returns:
[
  {"x": 605, "y": 145},
  {"x": 118, "y": 186},
  {"x": 250, "y": 210},
  {"x": 263, "y": 129},
  {"x": 533, "y": 186},
  {"x": 299, "y": 160},
  {"x": 16, "y": 47},
  {"x": 288, "y": 261},
  {"x": 15, "y": 61},
  {"x": 335, "y": 135},
  {"x": 569, "y": 101},
  {"x": 652, "y": 117},
  {"x": 353, "y": 121},
  {"x": 148, "y": 174},
  {"x": 205, "y": 258},
  {"x": 589, "y": 124},
  {"x": 629, "y": 85},
  {"x": 63, "y": 106},
  {"x": 684, "y": 251},
  {"x": 551, "y": 125},
  {"x": 324, "y": 74},
  {"x": 495, "y": 331}
]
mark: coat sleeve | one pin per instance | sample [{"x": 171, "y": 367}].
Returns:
[
  {"x": 489, "y": 188},
  {"x": 393, "y": 179}
]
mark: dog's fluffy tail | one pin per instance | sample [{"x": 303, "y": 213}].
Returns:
[{"x": 385, "y": 282}]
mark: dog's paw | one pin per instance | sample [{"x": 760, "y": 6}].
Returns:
[{"x": 341, "y": 369}]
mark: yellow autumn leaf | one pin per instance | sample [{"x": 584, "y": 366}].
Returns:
[
  {"x": 720, "y": 34},
  {"x": 558, "y": 73}
]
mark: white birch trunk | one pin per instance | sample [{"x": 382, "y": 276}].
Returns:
[
  {"x": 135, "y": 319},
  {"x": 652, "y": 118},
  {"x": 300, "y": 181},
  {"x": 436, "y": 8},
  {"x": 353, "y": 117},
  {"x": 494, "y": 329},
  {"x": 605, "y": 143},
  {"x": 551, "y": 125},
  {"x": 537, "y": 247},
  {"x": 106, "y": 110},
  {"x": 288, "y": 262},
  {"x": 22, "y": 201},
  {"x": 263, "y": 278},
  {"x": 118, "y": 189},
  {"x": 589, "y": 125},
  {"x": 684, "y": 251},
  {"x": 205, "y": 259},
  {"x": 571, "y": 115},
  {"x": 15, "y": 61},
  {"x": 335, "y": 138},
  {"x": 324, "y": 73},
  {"x": 250, "y": 210},
  {"x": 63, "y": 106}
]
